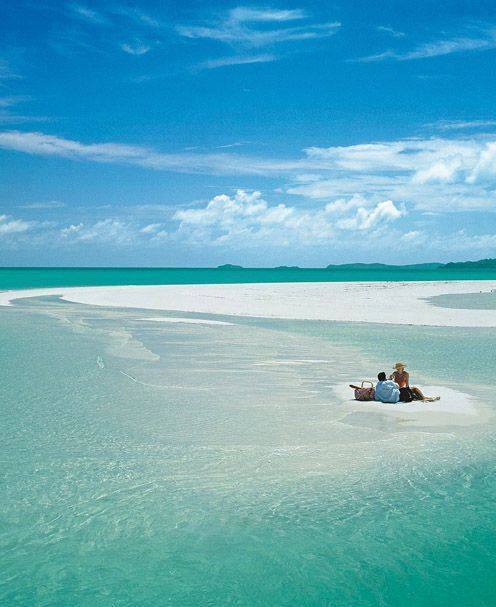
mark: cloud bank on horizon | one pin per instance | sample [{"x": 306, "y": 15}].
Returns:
[{"x": 247, "y": 133}]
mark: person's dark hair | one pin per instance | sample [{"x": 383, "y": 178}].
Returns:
[{"x": 381, "y": 376}]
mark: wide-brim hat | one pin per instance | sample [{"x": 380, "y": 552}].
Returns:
[{"x": 398, "y": 365}]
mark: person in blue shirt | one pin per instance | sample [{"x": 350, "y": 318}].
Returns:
[{"x": 387, "y": 390}]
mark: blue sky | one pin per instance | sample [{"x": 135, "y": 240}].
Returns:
[{"x": 198, "y": 133}]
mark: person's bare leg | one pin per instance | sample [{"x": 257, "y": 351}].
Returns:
[{"x": 419, "y": 394}]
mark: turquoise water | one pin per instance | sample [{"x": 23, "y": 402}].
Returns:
[
  {"x": 467, "y": 301},
  {"x": 24, "y": 278},
  {"x": 149, "y": 463}
]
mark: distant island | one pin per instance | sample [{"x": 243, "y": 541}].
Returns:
[
  {"x": 287, "y": 268},
  {"x": 481, "y": 264},
  {"x": 229, "y": 266},
  {"x": 384, "y": 266}
]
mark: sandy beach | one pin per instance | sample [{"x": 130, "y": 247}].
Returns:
[{"x": 373, "y": 302}]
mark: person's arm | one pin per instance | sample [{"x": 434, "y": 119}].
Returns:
[{"x": 407, "y": 379}]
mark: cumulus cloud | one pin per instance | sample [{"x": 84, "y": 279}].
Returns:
[
  {"x": 104, "y": 231},
  {"x": 443, "y": 171},
  {"x": 109, "y": 231},
  {"x": 436, "y": 173},
  {"x": 365, "y": 219},
  {"x": 246, "y": 218},
  {"x": 246, "y": 221},
  {"x": 71, "y": 230}
]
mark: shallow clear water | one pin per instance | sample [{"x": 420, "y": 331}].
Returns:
[
  {"x": 467, "y": 301},
  {"x": 151, "y": 463}
]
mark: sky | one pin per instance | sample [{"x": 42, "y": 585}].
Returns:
[{"x": 289, "y": 133}]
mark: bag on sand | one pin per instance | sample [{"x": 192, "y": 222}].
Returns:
[{"x": 365, "y": 393}]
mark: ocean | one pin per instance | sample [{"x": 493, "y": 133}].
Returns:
[
  {"x": 25, "y": 278},
  {"x": 189, "y": 464}
]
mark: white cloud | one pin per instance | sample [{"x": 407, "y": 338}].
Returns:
[
  {"x": 246, "y": 219},
  {"x": 50, "y": 204},
  {"x": 71, "y": 230},
  {"x": 256, "y": 38},
  {"x": 221, "y": 163},
  {"x": 245, "y": 26},
  {"x": 104, "y": 231},
  {"x": 224, "y": 209},
  {"x": 365, "y": 219},
  {"x": 391, "y": 31},
  {"x": 243, "y": 13},
  {"x": 235, "y": 144},
  {"x": 10, "y": 225},
  {"x": 433, "y": 174},
  {"x": 414, "y": 236},
  {"x": 429, "y": 173},
  {"x": 454, "y": 125},
  {"x": 110, "y": 231},
  {"x": 151, "y": 228},
  {"x": 485, "y": 166},
  {"x": 342, "y": 205},
  {"x": 87, "y": 14},
  {"x": 236, "y": 60},
  {"x": 485, "y": 40},
  {"x": 135, "y": 48},
  {"x": 443, "y": 171}
]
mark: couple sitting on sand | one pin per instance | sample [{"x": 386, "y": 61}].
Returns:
[{"x": 397, "y": 387}]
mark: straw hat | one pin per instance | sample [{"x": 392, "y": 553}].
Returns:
[{"x": 399, "y": 365}]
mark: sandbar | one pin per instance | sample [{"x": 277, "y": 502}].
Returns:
[{"x": 372, "y": 302}]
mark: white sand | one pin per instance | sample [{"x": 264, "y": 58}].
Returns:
[
  {"x": 377, "y": 302},
  {"x": 191, "y": 321},
  {"x": 453, "y": 409}
]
